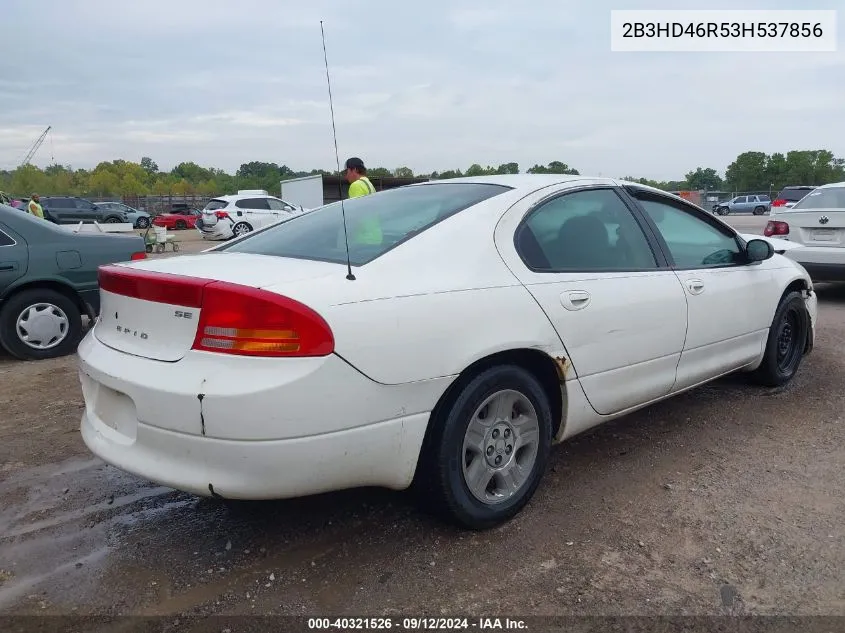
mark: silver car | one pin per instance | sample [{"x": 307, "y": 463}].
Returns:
[
  {"x": 758, "y": 205},
  {"x": 139, "y": 219}
]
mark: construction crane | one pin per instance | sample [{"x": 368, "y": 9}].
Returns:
[{"x": 35, "y": 146}]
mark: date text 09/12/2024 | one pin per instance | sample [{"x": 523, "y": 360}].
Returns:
[{"x": 417, "y": 624}]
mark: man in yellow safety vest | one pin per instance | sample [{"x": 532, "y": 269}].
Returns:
[
  {"x": 34, "y": 206},
  {"x": 368, "y": 230}
]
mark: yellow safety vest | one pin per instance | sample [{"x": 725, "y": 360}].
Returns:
[
  {"x": 35, "y": 209},
  {"x": 368, "y": 231}
]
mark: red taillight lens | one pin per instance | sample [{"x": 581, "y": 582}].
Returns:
[
  {"x": 221, "y": 214},
  {"x": 148, "y": 286},
  {"x": 775, "y": 227},
  {"x": 246, "y": 321},
  {"x": 234, "y": 319},
  {"x": 780, "y": 202},
  {"x": 139, "y": 255}
]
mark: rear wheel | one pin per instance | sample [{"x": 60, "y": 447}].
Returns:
[
  {"x": 759, "y": 210},
  {"x": 786, "y": 343},
  {"x": 40, "y": 323},
  {"x": 181, "y": 224},
  {"x": 113, "y": 220},
  {"x": 489, "y": 449},
  {"x": 241, "y": 228}
]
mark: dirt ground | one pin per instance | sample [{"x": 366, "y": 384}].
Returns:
[{"x": 725, "y": 500}]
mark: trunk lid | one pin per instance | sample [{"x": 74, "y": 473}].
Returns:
[
  {"x": 817, "y": 227},
  {"x": 161, "y": 324}
]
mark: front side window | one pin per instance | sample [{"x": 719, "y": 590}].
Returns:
[
  {"x": 376, "y": 223},
  {"x": 588, "y": 230},
  {"x": 278, "y": 205},
  {"x": 692, "y": 241}
]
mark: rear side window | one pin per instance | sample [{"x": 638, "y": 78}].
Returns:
[
  {"x": 793, "y": 195},
  {"x": 376, "y": 223},
  {"x": 253, "y": 203},
  {"x": 5, "y": 240},
  {"x": 830, "y": 198},
  {"x": 215, "y": 205}
]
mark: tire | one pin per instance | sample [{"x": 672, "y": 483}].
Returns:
[
  {"x": 759, "y": 210},
  {"x": 445, "y": 469},
  {"x": 113, "y": 220},
  {"x": 724, "y": 210},
  {"x": 50, "y": 305},
  {"x": 181, "y": 225},
  {"x": 241, "y": 228},
  {"x": 786, "y": 342},
  {"x": 142, "y": 223}
]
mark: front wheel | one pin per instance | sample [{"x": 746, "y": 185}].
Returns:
[
  {"x": 724, "y": 210},
  {"x": 786, "y": 343},
  {"x": 142, "y": 223},
  {"x": 40, "y": 323},
  {"x": 489, "y": 450}
]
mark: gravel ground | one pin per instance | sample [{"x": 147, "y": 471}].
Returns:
[{"x": 725, "y": 500}]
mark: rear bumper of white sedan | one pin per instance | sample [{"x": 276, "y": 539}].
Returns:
[
  {"x": 823, "y": 263},
  {"x": 305, "y": 427}
]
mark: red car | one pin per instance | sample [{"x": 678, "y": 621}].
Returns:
[{"x": 178, "y": 219}]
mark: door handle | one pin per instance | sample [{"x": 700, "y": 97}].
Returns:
[
  {"x": 8, "y": 266},
  {"x": 575, "y": 299},
  {"x": 696, "y": 286}
]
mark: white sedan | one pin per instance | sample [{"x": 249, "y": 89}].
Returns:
[{"x": 479, "y": 322}]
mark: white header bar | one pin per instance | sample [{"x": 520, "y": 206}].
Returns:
[{"x": 730, "y": 31}]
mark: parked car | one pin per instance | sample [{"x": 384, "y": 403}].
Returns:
[
  {"x": 758, "y": 205},
  {"x": 178, "y": 219},
  {"x": 236, "y": 215},
  {"x": 474, "y": 324},
  {"x": 139, "y": 219},
  {"x": 817, "y": 223},
  {"x": 48, "y": 281},
  {"x": 788, "y": 196},
  {"x": 72, "y": 210}
]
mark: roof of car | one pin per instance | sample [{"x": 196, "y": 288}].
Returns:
[
  {"x": 532, "y": 182},
  {"x": 241, "y": 196},
  {"x": 831, "y": 185}
]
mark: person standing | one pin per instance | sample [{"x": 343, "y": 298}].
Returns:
[
  {"x": 356, "y": 176},
  {"x": 34, "y": 206},
  {"x": 368, "y": 228}
]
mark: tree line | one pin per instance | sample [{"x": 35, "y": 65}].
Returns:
[{"x": 751, "y": 171}]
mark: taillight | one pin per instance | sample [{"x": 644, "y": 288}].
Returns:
[
  {"x": 221, "y": 215},
  {"x": 234, "y": 319},
  {"x": 246, "y": 321},
  {"x": 138, "y": 255},
  {"x": 776, "y": 227},
  {"x": 780, "y": 202}
]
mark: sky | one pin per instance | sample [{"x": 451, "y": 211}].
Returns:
[{"x": 430, "y": 85}]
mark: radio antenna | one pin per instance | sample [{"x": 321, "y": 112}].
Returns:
[{"x": 349, "y": 274}]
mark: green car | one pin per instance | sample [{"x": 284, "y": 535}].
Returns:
[{"x": 48, "y": 282}]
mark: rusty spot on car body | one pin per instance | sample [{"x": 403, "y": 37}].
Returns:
[{"x": 562, "y": 365}]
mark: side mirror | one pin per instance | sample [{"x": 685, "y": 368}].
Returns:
[{"x": 759, "y": 250}]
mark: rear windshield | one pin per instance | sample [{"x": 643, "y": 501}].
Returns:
[
  {"x": 793, "y": 195},
  {"x": 214, "y": 205},
  {"x": 375, "y": 223},
  {"x": 831, "y": 198}
]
